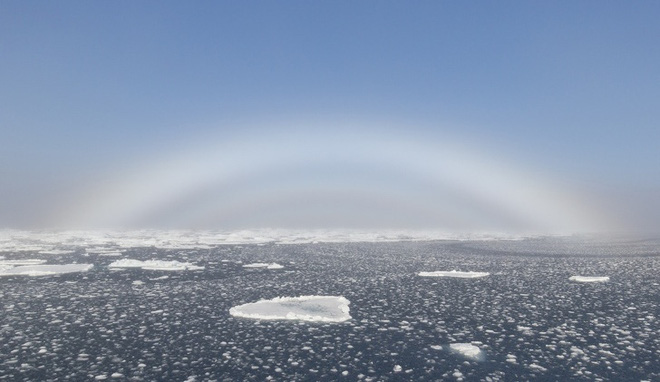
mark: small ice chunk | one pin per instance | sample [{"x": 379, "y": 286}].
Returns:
[
  {"x": 534, "y": 366},
  {"x": 468, "y": 351},
  {"x": 589, "y": 279},
  {"x": 264, "y": 265},
  {"x": 304, "y": 308},
  {"x": 154, "y": 265},
  {"x": 454, "y": 273},
  {"x": 397, "y": 368},
  {"x": 436, "y": 347},
  {"x": 44, "y": 270}
]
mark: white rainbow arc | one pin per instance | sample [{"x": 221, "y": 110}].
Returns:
[{"x": 331, "y": 177}]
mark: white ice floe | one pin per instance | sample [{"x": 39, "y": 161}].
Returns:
[
  {"x": 468, "y": 351},
  {"x": 44, "y": 270},
  {"x": 304, "y": 308},
  {"x": 56, "y": 252},
  {"x": 590, "y": 279},
  {"x": 454, "y": 273},
  {"x": 22, "y": 262},
  {"x": 110, "y": 254},
  {"x": 155, "y": 265},
  {"x": 264, "y": 265}
]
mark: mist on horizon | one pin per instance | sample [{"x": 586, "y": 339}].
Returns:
[{"x": 515, "y": 117}]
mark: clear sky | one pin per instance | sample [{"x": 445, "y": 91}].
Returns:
[{"x": 90, "y": 87}]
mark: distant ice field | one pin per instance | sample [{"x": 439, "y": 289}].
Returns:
[{"x": 165, "y": 312}]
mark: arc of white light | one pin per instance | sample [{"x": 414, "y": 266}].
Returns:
[{"x": 165, "y": 180}]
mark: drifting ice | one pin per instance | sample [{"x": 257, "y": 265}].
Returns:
[
  {"x": 304, "y": 308},
  {"x": 44, "y": 270},
  {"x": 154, "y": 265},
  {"x": 590, "y": 279},
  {"x": 264, "y": 265},
  {"x": 457, "y": 274},
  {"x": 22, "y": 262},
  {"x": 468, "y": 351}
]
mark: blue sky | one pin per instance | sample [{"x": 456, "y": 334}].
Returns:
[{"x": 570, "y": 88}]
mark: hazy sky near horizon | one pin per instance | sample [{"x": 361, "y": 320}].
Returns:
[{"x": 568, "y": 89}]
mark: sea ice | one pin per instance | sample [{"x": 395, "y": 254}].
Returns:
[
  {"x": 44, "y": 270},
  {"x": 55, "y": 252},
  {"x": 154, "y": 265},
  {"x": 264, "y": 265},
  {"x": 468, "y": 351},
  {"x": 454, "y": 273},
  {"x": 97, "y": 242},
  {"x": 304, "y": 308},
  {"x": 110, "y": 254},
  {"x": 590, "y": 279},
  {"x": 22, "y": 262}
]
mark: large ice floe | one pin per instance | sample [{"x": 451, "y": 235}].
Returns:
[
  {"x": 303, "y": 308},
  {"x": 44, "y": 270},
  {"x": 590, "y": 279},
  {"x": 468, "y": 351},
  {"x": 154, "y": 265},
  {"x": 457, "y": 274},
  {"x": 264, "y": 265},
  {"x": 21, "y": 262}
]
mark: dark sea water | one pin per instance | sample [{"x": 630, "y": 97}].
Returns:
[{"x": 529, "y": 320}]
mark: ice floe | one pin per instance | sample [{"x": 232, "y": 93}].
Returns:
[
  {"x": 44, "y": 270},
  {"x": 110, "y": 254},
  {"x": 56, "y": 252},
  {"x": 468, "y": 351},
  {"x": 454, "y": 273},
  {"x": 264, "y": 265},
  {"x": 589, "y": 279},
  {"x": 303, "y": 308},
  {"x": 22, "y": 262},
  {"x": 155, "y": 265}
]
